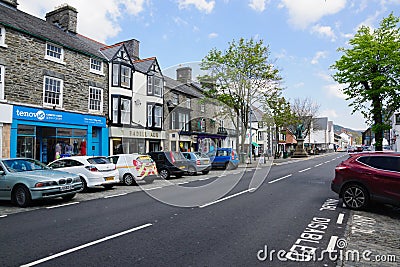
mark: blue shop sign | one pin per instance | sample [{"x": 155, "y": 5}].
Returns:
[{"x": 46, "y": 115}]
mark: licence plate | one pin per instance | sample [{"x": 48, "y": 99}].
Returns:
[
  {"x": 109, "y": 178},
  {"x": 65, "y": 187},
  {"x": 181, "y": 167},
  {"x": 206, "y": 161}
]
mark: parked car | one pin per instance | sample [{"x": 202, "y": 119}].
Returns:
[
  {"x": 23, "y": 180},
  {"x": 201, "y": 162},
  {"x": 225, "y": 158},
  {"x": 94, "y": 171},
  {"x": 133, "y": 168},
  {"x": 366, "y": 177},
  {"x": 170, "y": 163}
]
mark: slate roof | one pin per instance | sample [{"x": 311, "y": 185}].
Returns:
[
  {"x": 110, "y": 51},
  {"x": 180, "y": 87},
  {"x": 144, "y": 65},
  {"x": 39, "y": 28}
]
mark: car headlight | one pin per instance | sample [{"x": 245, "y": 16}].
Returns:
[{"x": 46, "y": 183}]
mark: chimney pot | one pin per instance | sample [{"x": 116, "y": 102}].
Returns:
[{"x": 65, "y": 17}]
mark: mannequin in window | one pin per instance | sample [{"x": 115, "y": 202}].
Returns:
[
  {"x": 83, "y": 147},
  {"x": 68, "y": 149},
  {"x": 75, "y": 149}
]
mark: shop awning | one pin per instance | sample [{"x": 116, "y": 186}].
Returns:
[{"x": 255, "y": 144}]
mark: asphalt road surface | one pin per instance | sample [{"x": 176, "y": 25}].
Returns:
[{"x": 255, "y": 222}]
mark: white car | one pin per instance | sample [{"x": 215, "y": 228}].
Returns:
[
  {"x": 135, "y": 167},
  {"x": 93, "y": 171}
]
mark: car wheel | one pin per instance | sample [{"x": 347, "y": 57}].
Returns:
[
  {"x": 164, "y": 173},
  {"x": 355, "y": 197},
  {"x": 84, "y": 185},
  {"x": 192, "y": 171},
  {"x": 226, "y": 165},
  {"x": 108, "y": 186},
  {"x": 129, "y": 180},
  {"x": 68, "y": 197},
  {"x": 205, "y": 172},
  {"x": 21, "y": 196}
]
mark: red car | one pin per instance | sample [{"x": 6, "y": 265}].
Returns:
[{"x": 366, "y": 177}]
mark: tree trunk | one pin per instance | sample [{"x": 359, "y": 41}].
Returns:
[{"x": 378, "y": 123}]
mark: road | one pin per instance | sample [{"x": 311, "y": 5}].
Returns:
[{"x": 292, "y": 210}]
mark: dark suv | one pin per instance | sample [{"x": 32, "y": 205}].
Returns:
[
  {"x": 366, "y": 177},
  {"x": 170, "y": 163}
]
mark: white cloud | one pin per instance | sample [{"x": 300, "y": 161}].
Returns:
[
  {"x": 325, "y": 31},
  {"x": 330, "y": 113},
  {"x": 201, "y": 5},
  {"x": 179, "y": 21},
  {"x": 258, "y": 5},
  {"x": 302, "y": 13},
  {"x": 213, "y": 35},
  {"x": 325, "y": 77},
  {"x": 335, "y": 90},
  {"x": 105, "y": 14},
  {"x": 317, "y": 56}
]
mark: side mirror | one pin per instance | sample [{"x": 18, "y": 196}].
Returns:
[{"x": 2, "y": 172}]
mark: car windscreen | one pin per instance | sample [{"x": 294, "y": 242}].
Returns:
[
  {"x": 144, "y": 159},
  {"x": 22, "y": 165},
  {"x": 222, "y": 153},
  {"x": 98, "y": 160}
]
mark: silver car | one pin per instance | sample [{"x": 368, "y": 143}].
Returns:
[
  {"x": 202, "y": 162},
  {"x": 23, "y": 180}
]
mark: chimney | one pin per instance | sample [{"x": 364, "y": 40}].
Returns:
[
  {"x": 133, "y": 48},
  {"x": 10, "y": 3},
  {"x": 65, "y": 17},
  {"x": 184, "y": 75}
]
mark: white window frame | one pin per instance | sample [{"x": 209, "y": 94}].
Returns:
[
  {"x": 157, "y": 116},
  {"x": 3, "y": 36},
  {"x": 158, "y": 86},
  {"x": 202, "y": 107},
  {"x": 2, "y": 75},
  {"x": 54, "y": 58},
  {"x": 115, "y": 109},
  {"x": 95, "y": 68},
  {"x": 188, "y": 103},
  {"x": 175, "y": 98},
  {"x": 126, "y": 113},
  {"x": 150, "y": 85},
  {"x": 149, "y": 115},
  {"x": 173, "y": 120},
  {"x": 60, "y": 93},
  {"x": 125, "y": 77},
  {"x": 99, "y": 101}
]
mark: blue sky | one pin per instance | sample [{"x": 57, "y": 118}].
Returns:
[{"x": 303, "y": 35}]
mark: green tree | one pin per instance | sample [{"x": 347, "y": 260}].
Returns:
[
  {"x": 370, "y": 70},
  {"x": 239, "y": 77}
]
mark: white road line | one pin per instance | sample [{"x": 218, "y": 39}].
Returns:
[
  {"x": 332, "y": 244},
  {"x": 327, "y": 161},
  {"x": 86, "y": 245},
  {"x": 118, "y": 195},
  {"x": 305, "y": 170},
  {"x": 183, "y": 183},
  {"x": 62, "y": 205},
  {"x": 222, "y": 175},
  {"x": 340, "y": 218},
  {"x": 203, "y": 179},
  {"x": 344, "y": 205},
  {"x": 276, "y": 180},
  {"x": 158, "y": 187},
  {"x": 318, "y": 165},
  {"x": 228, "y": 197},
  {"x": 3, "y": 216}
]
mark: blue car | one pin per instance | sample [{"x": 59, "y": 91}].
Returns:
[
  {"x": 225, "y": 158},
  {"x": 23, "y": 180}
]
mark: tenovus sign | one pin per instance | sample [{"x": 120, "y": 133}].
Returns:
[{"x": 45, "y": 115}]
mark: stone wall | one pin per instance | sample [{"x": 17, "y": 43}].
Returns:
[
  {"x": 5, "y": 153},
  {"x": 26, "y": 66}
]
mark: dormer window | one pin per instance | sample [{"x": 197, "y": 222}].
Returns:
[
  {"x": 54, "y": 53},
  {"x": 155, "y": 86},
  {"x": 3, "y": 37},
  {"x": 96, "y": 66},
  {"x": 121, "y": 75}
]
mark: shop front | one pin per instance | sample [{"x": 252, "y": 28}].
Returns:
[
  {"x": 134, "y": 140},
  {"x": 5, "y": 126},
  {"x": 46, "y": 134}
]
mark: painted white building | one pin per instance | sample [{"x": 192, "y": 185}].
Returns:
[
  {"x": 395, "y": 132},
  {"x": 321, "y": 134}
]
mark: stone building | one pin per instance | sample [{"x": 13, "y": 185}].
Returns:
[{"x": 56, "y": 84}]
